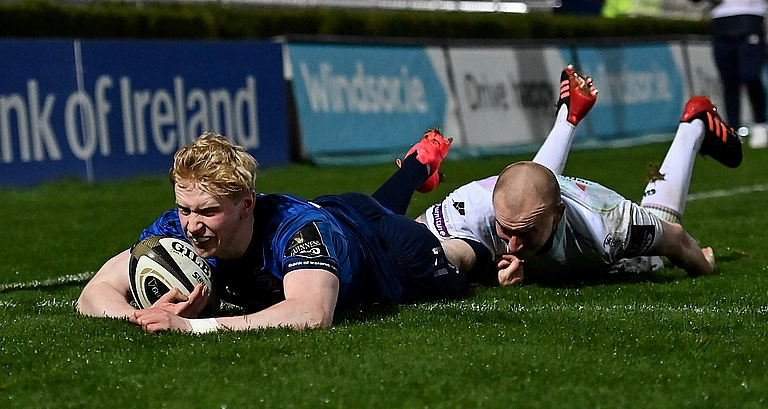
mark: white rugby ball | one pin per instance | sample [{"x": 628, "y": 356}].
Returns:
[{"x": 160, "y": 263}]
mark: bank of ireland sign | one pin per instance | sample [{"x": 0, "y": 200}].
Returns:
[{"x": 101, "y": 109}]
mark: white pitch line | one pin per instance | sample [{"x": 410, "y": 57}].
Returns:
[
  {"x": 472, "y": 306},
  {"x": 727, "y": 192},
  {"x": 65, "y": 279}
]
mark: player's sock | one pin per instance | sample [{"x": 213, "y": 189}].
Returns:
[
  {"x": 553, "y": 153},
  {"x": 666, "y": 194},
  {"x": 577, "y": 97},
  {"x": 396, "y": 193}
]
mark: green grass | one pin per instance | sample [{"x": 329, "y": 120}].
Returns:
[{"x": 661, "y": 341}]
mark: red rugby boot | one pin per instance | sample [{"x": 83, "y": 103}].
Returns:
[
  {"x": 577, "y": 93},
  {"x": 430, "y": 151},
  {"x": 721, "y": 142}
]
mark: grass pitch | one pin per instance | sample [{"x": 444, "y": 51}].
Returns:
[{"x": 657, "y": 341}]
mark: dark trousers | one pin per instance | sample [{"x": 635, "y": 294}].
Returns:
[{"x": 739, "y": 48}]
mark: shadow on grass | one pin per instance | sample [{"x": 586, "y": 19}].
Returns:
[
  {"x": 363, "y": 315},
  {"x": 665, "y": 275}
]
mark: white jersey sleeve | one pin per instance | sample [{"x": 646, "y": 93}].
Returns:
[
  {"x": 467, "y": 213},
  {"x": 727, "y": 8}
]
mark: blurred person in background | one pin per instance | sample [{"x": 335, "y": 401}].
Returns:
[{"x": 738, "y": 40}]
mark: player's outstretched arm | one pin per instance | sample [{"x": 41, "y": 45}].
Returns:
[
  {"x": 310, "y": 301},
  {"x": 684, "y": 252},
  {"x": 108, "y": 292}
]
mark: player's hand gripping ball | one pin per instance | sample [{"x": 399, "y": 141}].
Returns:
[{"x": 159, "y": 263}]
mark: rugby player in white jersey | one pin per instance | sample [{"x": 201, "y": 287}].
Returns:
[{"x": 531, "y": 221}]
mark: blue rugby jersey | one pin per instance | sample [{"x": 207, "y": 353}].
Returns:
[{"x": 289, "y": 234}]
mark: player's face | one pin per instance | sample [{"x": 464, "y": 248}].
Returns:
[
  {"x": 524, "y": 243},
  {"x": 215, "y": 226}
]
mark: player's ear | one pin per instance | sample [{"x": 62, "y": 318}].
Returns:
[
  {"x": 559, "y": 210},
  {"x": 248, "y": 203}
]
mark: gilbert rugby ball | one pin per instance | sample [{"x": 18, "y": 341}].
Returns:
[{"x": 159, "y": 263}]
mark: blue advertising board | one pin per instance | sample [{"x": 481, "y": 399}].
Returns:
[
  {"x": 641, "y": 86},
  {"x": 357, "y": 99},
  {"x": 107, "y": 108}
]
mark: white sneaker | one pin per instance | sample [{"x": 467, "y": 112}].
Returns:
[{"x": 758, "y": 137}]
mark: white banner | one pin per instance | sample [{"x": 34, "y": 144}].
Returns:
[{"x": 506, "y": 96}]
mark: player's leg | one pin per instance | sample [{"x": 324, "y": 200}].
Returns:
[
  {"x": 420, "y": 170},
  {"x": 725, "y": 52},
  {"x": 750, "y": 64},
  {"x": 700, "y": 130},
  {"x": 577, "y": 97},
  {"x": 418, "y": 260},
  {"x": 751, "y": 71}
]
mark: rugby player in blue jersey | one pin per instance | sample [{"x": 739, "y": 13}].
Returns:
[{"x": 284, "y": 261}]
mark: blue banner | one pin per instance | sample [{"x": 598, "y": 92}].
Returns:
[
  {"x": 106, "y": 109},
  {"x": 354, "y": 100},
  {"x": 641, "y": 88}
]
